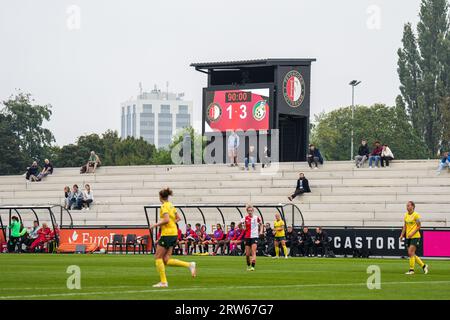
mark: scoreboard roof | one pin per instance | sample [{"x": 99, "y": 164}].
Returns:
[{"x": 251, "y": 63}]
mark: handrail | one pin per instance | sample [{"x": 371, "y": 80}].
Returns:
[
  {"x": 49, "y": 208},
  {"x": 295, "y": 208}
]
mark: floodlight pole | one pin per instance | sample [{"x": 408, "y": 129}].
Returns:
[{"x": 353, "y": 83}]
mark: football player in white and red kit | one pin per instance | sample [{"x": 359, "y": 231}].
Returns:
[{"x": 253, "y": 228}]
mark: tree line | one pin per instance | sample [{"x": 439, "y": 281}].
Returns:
[
  {"x": 418, "y": 126},
  {"x": 23, "y": 139}
]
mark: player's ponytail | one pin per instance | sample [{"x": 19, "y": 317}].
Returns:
[{"x": 165, "y": 193}]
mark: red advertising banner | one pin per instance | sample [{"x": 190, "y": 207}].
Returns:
[
  {"x": 2, "y": 238},
  {"x": 101, "y": 237},
  {"x": 246, "y": 109}
]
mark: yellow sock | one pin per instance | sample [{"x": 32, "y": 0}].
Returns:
[
  {"x": 419, "y": 261},
  {"x": 177, "y": 263},
  {"x": 412, "y": 261},
  {"x": 285, "y": 250},
  {"x": 277, "y": 251},
  {"x": 161, "y": 269}
]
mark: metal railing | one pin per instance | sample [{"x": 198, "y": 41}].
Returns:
[
  {"x": 51, "y": 210},
  {"x": 294, "y": 212}
]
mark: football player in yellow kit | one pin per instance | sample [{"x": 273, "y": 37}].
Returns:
[
  {"x": 168, "y": 217},
  {"x": 411, "y": 231},
  {"x": 280, "y": 236}
]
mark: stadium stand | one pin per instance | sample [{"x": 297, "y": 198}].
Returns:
[{"x": 341, "y": 194}]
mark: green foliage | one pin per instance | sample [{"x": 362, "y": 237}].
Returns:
[
  {"x": 161, "y": 156},
  {"x": 26, "y": 122},
  {"x": 332, "y": 131},
  {"x": 11, "y": 156},
  {"x": 112, "y": 151},
  {"x": 424, "y": 72},
  {"x": 196, "y": 140},
  {"x": 22, "y": 137},
  {"x": 104, "y": 276},
  {"x": 445, "y": 110}
]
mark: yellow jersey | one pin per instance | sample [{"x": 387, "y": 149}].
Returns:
[
  {"x": 169, "y": 229},
  {"x": 411, "y": 224},
  {"x": 279, "y": 224}
]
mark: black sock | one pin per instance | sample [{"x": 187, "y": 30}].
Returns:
[{"x": 253, "y": 264}]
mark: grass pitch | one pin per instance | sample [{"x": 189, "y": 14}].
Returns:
[{"x": 28, "y": 276}]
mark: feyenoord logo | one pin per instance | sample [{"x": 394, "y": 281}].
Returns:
[
  {"x": 259, "y": 110},
  {"x": 294, "y": 88},
  {"x": 214, "y": 112}
]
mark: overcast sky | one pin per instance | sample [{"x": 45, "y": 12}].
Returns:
[{"x": 85, "y": 70}]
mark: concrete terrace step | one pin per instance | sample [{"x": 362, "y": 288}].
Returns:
[
  {"x": 255, "y": 181},
  {"x": 331, "y": 166},
  {"x": 235, "y": 176},
  {"x": 221, "y": 190},
  {"x": 342, "y": 195}
]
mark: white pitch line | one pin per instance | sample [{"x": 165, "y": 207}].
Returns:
[
  {"x": 211, "y": 288},
  {"x": 65, "y": 288}
]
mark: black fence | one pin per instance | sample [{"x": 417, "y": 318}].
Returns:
[
  {"x": 384, "y": 242},
  {"x": 55, "y": 214},
  {"x": 226, "y": 213}
]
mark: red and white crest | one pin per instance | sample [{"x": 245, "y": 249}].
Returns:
[{"x": 294, "y": 88}]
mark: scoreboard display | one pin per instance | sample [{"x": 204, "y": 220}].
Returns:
[{"x": 244, "y": 109}]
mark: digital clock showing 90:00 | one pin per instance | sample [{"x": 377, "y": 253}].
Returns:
[{"x": 238, "y": 96}]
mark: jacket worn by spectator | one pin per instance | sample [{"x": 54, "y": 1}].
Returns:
[
  {"x": 387, "y": 153},
  {"x": 230, "y": 234},
  {"x": 316, "y": 154},
  {"x": 76, "y": 195},
  {"x": 218, "y": 235},
  {"x": 16, "y": 231},
  {"x": 250, "y": 153},
  {"x": 34, "y": 232},
  {"x": 269, "y": 234},
  {"x": 305, "y": 237},
  {"x": 322, "y": 237},
  {"x": 239, "y": 234},
  {"x": 303, "y": 184},
  {"x": 363, "y": 150},
  {"x": 292, "y": 236},
  {"x": 377, "y": 151},
  {"x": 190, "y": 234},
  {"x": 446, "y": 159},
  {"x": 48, "y": 167},
  {"x": 32, "y": 171},
  {"x": 44, "y": 235}
]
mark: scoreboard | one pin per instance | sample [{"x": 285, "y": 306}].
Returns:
[
  {"x": 243, "y": 109},
  {"x": 265, "y": 98}
]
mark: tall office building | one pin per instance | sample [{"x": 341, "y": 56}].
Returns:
[{"x": 155, "y": 116}]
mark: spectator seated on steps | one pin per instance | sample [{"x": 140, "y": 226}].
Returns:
[
  {"x": 93, "y": 163},
  {"x": 444, "y": 163},
  {"x": 48, "y": 169},
  {"x": 75, "y": 199},
  {"x": 32, "y": 172}
]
